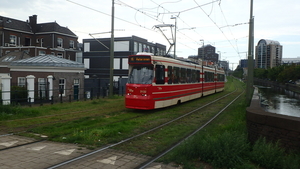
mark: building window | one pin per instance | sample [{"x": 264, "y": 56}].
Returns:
[
  {"x": 42, "y": 42},
  {"x": 140, "y": 47},
  {"x": 8, "y": 59},
  {"x": 135, "y": 48},
  {"x": 71, "y": 44},
  {"x": 62, "y": 84},
  {"x": 76, "y": 81},
  {"x": 13, "y": 40},
  {"x": 41, "y": 87},
  {"x": 59, "y": 42},
  {"x": 60, "y": 55},
  {"x": 125, "y": 63},
  {"x": 21, "y": 81},
  {"x": 116, "y": 63},
  {"x": 41, "y": 52},
  {"x": 86, "y": 47},
  {"x": 27, "y": 41}
]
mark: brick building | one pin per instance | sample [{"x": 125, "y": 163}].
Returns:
[
  {"x": 48, "y": 76},
  {"x": 37, "y": 38}
]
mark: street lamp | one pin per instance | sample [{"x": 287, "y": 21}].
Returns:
[{"x": 174, "y": 17}]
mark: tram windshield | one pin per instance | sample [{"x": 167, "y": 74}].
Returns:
[{"x": 141, "y": 75}]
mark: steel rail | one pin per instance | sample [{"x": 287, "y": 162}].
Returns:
[
  {"x": 143, "y": 133},
  {"x": 142, "y": 166}
]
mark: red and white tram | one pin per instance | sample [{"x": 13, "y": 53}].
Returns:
[{"x": 157, "y": 82}]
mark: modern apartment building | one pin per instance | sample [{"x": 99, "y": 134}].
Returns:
[
  {"x": 96, "y": 57},
  {"x": 268, "y": 54}
]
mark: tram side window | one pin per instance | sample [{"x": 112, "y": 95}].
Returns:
[
  {"x": 221, "y": 77},
  {"x": 160, "y": 74},
  {"x": 182, "y": 75},
  {"x": 193, "y": 75},
  {"x": 188, "y": 75},
  {"x": 198, "y": 75},
  {"x": 209, "y": 76},
  {"x": 176, "y": 75},
  {"x": 170, "y": 74}
]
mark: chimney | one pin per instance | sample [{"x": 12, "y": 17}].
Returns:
[{"x": 32, "y": 22}]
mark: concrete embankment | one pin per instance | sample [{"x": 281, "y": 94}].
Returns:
[{"x": 273, "y": 127}]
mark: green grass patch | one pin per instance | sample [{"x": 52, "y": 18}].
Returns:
[
  {"x": 9, "y": 112},
  {"x": 224, "y": 144}
]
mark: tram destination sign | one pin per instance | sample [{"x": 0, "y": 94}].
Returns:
[{"x": 136, "y": 59}]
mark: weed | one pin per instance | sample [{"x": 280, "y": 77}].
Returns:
[
  {"x": 224, "y": 150},
  {"x": 269, "y": 155},
  {"x": 9, "y": 112}
]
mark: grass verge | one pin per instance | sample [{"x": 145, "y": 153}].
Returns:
[{"x": 224, "y": 144}]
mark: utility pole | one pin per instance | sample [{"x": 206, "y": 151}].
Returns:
[
  {"x": 249, "y": 88},
  {"x": 111, "y": 66},
  {"x": 175, "y": 17}
]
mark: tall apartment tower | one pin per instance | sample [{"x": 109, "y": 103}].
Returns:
[{"x": 268, "y": 54}]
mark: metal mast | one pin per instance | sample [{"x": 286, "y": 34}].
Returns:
[
  {"x": 111, "y": 68},
  {"x": 249, "y": 88}
]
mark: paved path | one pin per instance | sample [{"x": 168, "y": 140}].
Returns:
[{"x": 46, "y": 154}]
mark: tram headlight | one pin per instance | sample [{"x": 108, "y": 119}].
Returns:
[{"x": 144, "y": 94}]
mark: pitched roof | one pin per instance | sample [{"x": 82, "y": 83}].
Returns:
[
  {"x": 17, "y": 25},
  {"x": 14, "y": 24},
  {"x": 47, "y": 61},
  {"x": 53, "y": 27},
  {"x": 13, "y": 56}
]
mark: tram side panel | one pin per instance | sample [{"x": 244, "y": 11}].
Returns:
[
  {"x": 220, "y": 84},
  {"x": 173, "y": 82}
]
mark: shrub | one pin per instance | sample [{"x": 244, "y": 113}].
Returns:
[
  {"x": 268, "y": 155},
  {"x": 18, "y": 94},
  {"x": 225, "y": 150}
]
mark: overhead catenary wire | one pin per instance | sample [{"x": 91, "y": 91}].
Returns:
[
  {"x": 109, "y": 15},
  {"x": 159, "y": 18},
  {"x": 216, "y": 26}
]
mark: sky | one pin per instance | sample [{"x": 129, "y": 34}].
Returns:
[{"x": 221, "y": 23}]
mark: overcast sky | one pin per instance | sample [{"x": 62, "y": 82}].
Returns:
[{"x": 221, "y": 23}]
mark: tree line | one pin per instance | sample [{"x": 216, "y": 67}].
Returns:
[{"x": 281, "y": 74}]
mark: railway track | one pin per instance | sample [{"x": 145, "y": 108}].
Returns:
[
  {"x": 151, "y": 130},
  {"x": 88, "y": 153}
]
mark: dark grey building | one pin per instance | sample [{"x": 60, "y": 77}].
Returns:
[
  {"x": 96, "y": 57},
  {"x": 206, "y": 53}
]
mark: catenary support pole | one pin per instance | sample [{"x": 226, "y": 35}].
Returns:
[
  {"x": 249, "y": 87},
  {"x": 111, "y": 67}
]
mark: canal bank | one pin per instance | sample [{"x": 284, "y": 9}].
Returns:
[
  {"x": 278, "y": 86},
  {"x": 274, "y": 127}
]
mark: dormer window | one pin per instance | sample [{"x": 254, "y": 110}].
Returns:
[{"x": 59, "y": 42}]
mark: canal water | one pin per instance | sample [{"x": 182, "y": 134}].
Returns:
[{"x": 281, "y": 102}]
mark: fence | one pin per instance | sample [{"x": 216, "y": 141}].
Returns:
[{"x": 19, "y": 95}]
